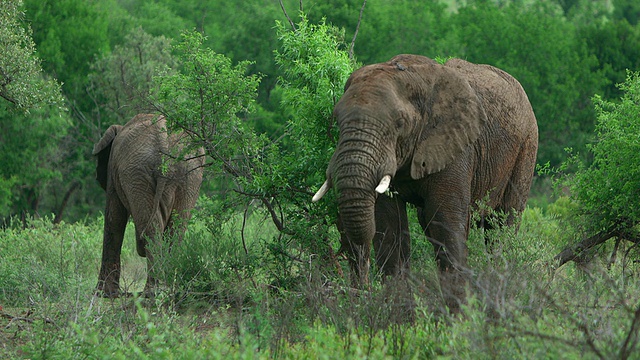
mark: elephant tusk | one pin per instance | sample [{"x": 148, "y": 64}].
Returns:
[
  {"x": 323, "y": 190},
  {"x": 384, "y": 184}
]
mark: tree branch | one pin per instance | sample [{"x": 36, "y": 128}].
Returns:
[
  {"x": 293, "y": 26},
  {"x": 631, "y": 340},
  {"x": 244, "y": 224},
  {"x": 65, "y": 200},
  {"x": 274, "y": 217},
  {"x": 355, "y": 34},
  {"x": 574, "y": 251}
]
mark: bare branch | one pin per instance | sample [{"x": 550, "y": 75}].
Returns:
[
  {"x": 293, "y": 26},
  {"x": 355, "y": 34},
  {"x": 74, "y": 186},
  {"x": 572, "y": 252},
  {"x": 277, "y": 221},
  {"x": 244, "y": 224},
  {"x": 632, "y": 337}
]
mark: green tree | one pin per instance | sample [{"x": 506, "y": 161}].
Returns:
[
  {"x": 616, "y": 45},
  {"x": 22, "y": 82},
  {"x": 607, "y": 190},
  {"x": 155, "y": 17},
  {"x": 535, "y": 44},
  {"x": 205, "y": 98},
  {"x": 390, "y": 28},
  {"x": 628, "y": 10},
  {"x": 31, "y": 158},
  {"x": 69, "y": 34},
  {"x": 121, "y": 81},
  {"x": 316, "y": 67},
  {"x": 31, "y": 117}
]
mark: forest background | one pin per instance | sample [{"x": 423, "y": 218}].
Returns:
[
  {"x": 259, "y": 268},
  {"x": 563, "y": 53}
]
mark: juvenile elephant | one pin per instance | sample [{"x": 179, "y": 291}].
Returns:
[
  {"x": 130, "y": 170},
  {"x": 442, "y": 137}
]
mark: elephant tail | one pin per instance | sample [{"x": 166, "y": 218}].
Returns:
[
  {"x": 157, "y": 198},
  {"x": 157, "y": 220}
]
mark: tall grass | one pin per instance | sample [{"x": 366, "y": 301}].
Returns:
[{"x": 218, "y": 299}]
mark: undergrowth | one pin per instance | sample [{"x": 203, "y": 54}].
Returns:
[{"x": 218, "y": 299}]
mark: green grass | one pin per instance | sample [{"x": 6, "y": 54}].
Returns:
[{"x": 220, "y": 301}]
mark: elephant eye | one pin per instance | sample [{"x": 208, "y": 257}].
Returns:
[{"x": 399, "y": 123}]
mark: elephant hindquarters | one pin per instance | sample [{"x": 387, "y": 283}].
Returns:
[{"x": 517, "y": 191}]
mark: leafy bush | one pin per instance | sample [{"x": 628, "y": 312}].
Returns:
[
  {"x": 23, "y": 84},
  {"x": 46, "y": 261},
  {"x": 215, "y": 265},
  {"x": 120, "y": 82},
  {"x": 608, "y": 189},
  {"x": 204, "y": 99},
  {"x": 315, "y": 68},
  {"x": 518, "y": 307}
]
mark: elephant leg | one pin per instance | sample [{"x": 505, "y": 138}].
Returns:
[
  {"x": 115, "y": 222},
  {"x": 392, "y": 246},
  {"x": 392, "y": 241},
  {"x": 448, "y": 231},
  {"x": 144, "y": 237},
  {"x": 487, "y": 223},
  {"x": 516, "y": 193},
  {"x": 150, "y": 225}
]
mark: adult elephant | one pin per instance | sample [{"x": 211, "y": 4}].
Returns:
[
  {"x": 443, "y": 137},
  {"x": 143, "y": 181}
]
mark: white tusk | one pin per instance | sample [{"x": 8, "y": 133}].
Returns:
[
  {"x": 384, "y": 184},
  {"x": 323, "y": 190}
]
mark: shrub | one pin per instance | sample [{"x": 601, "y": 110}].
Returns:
[
  {"x": 46, "y": 261},
  {"x": 608, "y": 189}
]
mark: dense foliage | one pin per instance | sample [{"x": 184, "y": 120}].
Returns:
[
  {"x": 204, "y": 98},
  {"x": 22, "y": 82},
  {"x": 31, "y": 123},
  {"x": 563, "y": 52},
  {"x": 608, "y": 189}
]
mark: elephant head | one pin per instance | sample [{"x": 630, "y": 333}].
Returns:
[{"x": 409, "y": 115}]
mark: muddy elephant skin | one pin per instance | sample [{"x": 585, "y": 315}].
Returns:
[
  {"x": 441, "y": 137},
  {"x": 157, "y": 197}
]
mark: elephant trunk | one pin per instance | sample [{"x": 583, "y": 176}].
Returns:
[
  {"x": 359, "y": 169},
  {"x": 356, "y": 209}
]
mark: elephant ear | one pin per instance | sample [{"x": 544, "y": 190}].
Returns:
[
  {"x": 102, "y": 150},
  {"x": 454, "y": 119}
]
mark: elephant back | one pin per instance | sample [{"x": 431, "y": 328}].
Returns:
[
  {"x": 500, "y": 90},
  {"x": 145, "y": 137},
  {"x": 141, "y": 142}
]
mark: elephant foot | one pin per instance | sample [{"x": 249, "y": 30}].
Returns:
[
  {"x": 453, "y": 284},
  {"x": 107, "y": 294},
  {"x": 150, "y": 288},
  {"x": 107, "y": 289}
]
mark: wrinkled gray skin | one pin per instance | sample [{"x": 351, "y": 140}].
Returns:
[
  {"x": 448, "y": 135},
  {"x": 129, "y": 170}
]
